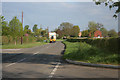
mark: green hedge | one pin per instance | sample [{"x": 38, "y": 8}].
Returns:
[{"x": 109, "y": 44}]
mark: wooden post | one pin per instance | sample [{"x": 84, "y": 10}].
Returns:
[{"x": 22, "y": 25}]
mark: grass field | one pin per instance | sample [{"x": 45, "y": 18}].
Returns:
[
  {"x": 27, "y": 45},
  {"x": 84, "y": 52}
]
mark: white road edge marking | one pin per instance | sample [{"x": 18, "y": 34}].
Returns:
[
  {"x": 54, "y": 70},
  {"x": 19, "y": 60}
]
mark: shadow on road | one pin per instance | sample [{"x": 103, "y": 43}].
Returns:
[{"x": 30, "y": 58}]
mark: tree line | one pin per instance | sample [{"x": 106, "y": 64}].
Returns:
[
  {"x": 69, "y": 30},
  {"x": 93, "y": 26},
  {"x": 15, "y": 29}
]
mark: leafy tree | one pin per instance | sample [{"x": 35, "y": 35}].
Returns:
[
  {"x": 92, "y": 27},
  {"x": 104, "y": 32},
  {"x": 112, "y": 33},
  {"x": 29, "y": 31},
  {"x": 85, "y": 33},
  {"x": 119, "y": 33},
  {"x": 20, "y": 30},
  {"x": 16, "y": 29},
  {"x": 111, "y": 4},
  {"x": 43, "y": 33},
  {"x": 4, "y": 27},
  {"x": 59, "y": 32},
  {"x": 66, "y": 27},
  {"x": 0, "y": 25},
  {"x": 75, "y": 31},
  {"x": 38, "y": 32},
  {"x": 47, "y": 32},
  {"x": 35, "y": 28},
  {"x": 26, "y": 28},
  {"x": 99, "y": 26}
]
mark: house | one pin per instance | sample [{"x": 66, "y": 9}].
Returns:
[
  {"x": 97, "y": 34},
  {"x": 26, "y": 34},
  {"x": 79, "y": 34}
]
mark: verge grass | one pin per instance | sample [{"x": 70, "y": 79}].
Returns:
[
  {"x": 59, "y": 39},
  {"x": 81, "y": 51},
  {"x": 24, "y": 45}
]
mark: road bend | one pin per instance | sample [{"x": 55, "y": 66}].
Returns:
[{"x": 45, "y": 62}]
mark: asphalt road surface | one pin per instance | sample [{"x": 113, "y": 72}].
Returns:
[{"x": 45, "y": 62}]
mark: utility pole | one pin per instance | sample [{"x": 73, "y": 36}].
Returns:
[
  {"x": 48, "y": 32},
  {"x": 22, "y": 26}
]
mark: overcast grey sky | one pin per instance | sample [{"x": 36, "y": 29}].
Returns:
[{"x": 52, "y": 14}]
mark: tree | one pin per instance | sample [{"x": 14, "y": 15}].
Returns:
[
  {"x": 104, "y": 32},
  {"x": 43, "y": 33},
  {"x": 66, "y": 27},
  {"x": 99, "y": 26},
  {"x": 35, "y": 28},
  {"x": 0, "y": 25},
  {"x": 4, "y": 27},
  {"x": 16, "y": 29},
  {"x": 75, "y": 31},
  {"x": 92, "y": 27},
  {"x": 119, "y": 33},
  {"x": 29, "y": 31},
  {"x": 26, "y": 28},
  {"x": 59, "y": 32},
  {"x": 112, "y": 33},
  {"x": 111, "y": 4},
  {"x": 38, "y": 32},
  {"x": 85, "y": 33}
]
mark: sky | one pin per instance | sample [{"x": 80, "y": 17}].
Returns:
[
  {"x": 52, "y": 0},
  {"x": 52, "y": 14}
]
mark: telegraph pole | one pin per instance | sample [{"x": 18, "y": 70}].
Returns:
[
  {"x": 22, "y": 17},
  {"x": 22, "y": 26}
]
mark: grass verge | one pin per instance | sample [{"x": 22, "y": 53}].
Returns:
[
  {"x": 59, "y": 39},
  {"x": 84, "y": 52},
  {"x": 24, "y": 45}
]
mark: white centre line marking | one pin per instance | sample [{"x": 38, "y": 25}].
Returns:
[
  {"x": 54, "y": 70},
  {"x": 15, "y": 62},
  {"x": 36, "y": 53},
  {"x": 19, "y": 60}
]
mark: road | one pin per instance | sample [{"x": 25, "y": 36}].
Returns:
[{"x": 45, "y": 62}]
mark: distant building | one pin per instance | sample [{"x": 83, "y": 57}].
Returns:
[
  {"x": 80, "y": 34},
  {"x": 97, "y": 34},
  {"x": 26, "y": 34}
]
